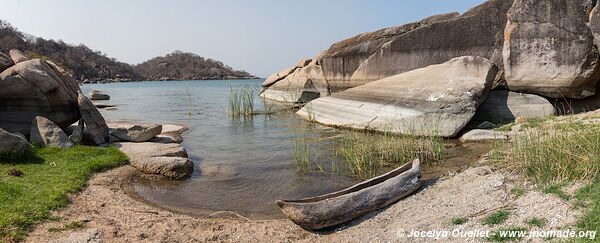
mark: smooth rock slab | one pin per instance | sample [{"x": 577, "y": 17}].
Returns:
[
  {"x": 168, "y": 160},
  {"x": 436, "y": 100},
  {"x": 503, "y": 106},
  {"x": 137, "y": 133},
  {"x": 13, "y": 143},
  {"x": 45, "y": 133},
  {"x": 482, "y": 135}
]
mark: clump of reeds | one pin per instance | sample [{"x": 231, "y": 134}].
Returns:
[
  {"x": 309, "y": 155},
  {"x": 241, "y": 101},
  {"x": 568, "y": 151},
  {"x": 366, "y": 153}
]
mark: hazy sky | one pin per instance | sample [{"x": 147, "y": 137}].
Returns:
[{"x": 259, "y": 36}]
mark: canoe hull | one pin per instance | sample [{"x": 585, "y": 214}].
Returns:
[{"x": 339, "y": 207}]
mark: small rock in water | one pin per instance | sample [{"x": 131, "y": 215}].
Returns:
[
  {"x": 482, "y": 135},
  {"x": 98, "y": 95}
]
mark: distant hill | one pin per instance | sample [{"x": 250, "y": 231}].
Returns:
[
  {"x": 84, "y": 63},
  {"x": 187, "y": 66}
]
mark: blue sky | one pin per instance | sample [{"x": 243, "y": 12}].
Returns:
[{"x": 259, "y": 36}]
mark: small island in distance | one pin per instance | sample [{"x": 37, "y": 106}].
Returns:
[{"x": 89, "y": 66}]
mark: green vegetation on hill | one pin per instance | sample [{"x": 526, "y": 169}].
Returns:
[
  {"x": 84, "y": 63},
  {"x": 187, "y": 66},
  {"x": 33, "y": 185}
]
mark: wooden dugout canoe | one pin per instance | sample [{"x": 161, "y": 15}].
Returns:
[{"x": 338, "y": 207}]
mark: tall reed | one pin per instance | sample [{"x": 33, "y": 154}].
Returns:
[
  {"x": 240, "y": 101},
  {"x": 366, "y": 153}
]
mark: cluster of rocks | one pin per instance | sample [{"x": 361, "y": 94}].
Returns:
[
  {"x": 498, "y": 61},
  {"x": 41, "y": 104}
]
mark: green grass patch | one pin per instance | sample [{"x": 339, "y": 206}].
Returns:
[
  {"x": 550, "y": 156},
  {"x": 537, "y": 222},
  {"x": 459, "y": 220},
  {"x": 496, "y": 218},
  {"x": 517, "y": 191},
  {"x": 508, "y": 234},
  {"x": 589, "y": 196},
  {"x": 69, "y": 226},
  {"x": 566, "y": 152},
  {"x": 48, "y": 175},
  {"x": 557, "y": 190}
]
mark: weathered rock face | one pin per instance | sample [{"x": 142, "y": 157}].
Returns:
[
  {"x": 479, "y": 135},
  {"x": 169, "y": 160},
  {"x": 33, "y": 88},
  {"x": 477, "y": 32},
  {"x": 97, "y": 95},
  {"x": 372, "y": 56},
  {"x": 137, "y": 133},
  {"x": 341, "y": 61},
  {"x": 93, "y": 120},
  {"x": 17, "y": 56},
  {"x": 549, "y": 49},
  {"x": 5, "y": 62},
  {"x": 13, "y": 144},
  {"x": 436, "y": 100},
  {"x": 503, "y": 106},
  {"x": 45, "y": 133}
]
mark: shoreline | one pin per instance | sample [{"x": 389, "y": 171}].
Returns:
[{"x": 111, "y": 212}]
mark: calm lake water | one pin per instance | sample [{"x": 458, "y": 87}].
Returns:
[{"x": 242, "y": 165}]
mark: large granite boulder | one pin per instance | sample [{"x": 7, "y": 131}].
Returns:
[
  {"x": 372, "y": 56},
  {"x": 34, "y": 88},
  {"x": 45, "y": 133},
  {"x": 17, "y": 56},
  {"x": 168, "y": 160},
  {"x": 503, "y": 106},
  {"x": 136, "y": 133},
  {"x": 5, "y": 62},
  {"x": 549, "y": 49},
  {"x": 12, "y": 144},
  {"x": 436, "y": 100},
  {"x": 342, "y": 59},
  {"x": 93, "y": 120}
]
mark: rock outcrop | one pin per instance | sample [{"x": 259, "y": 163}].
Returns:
[
  {"x": 17, "y": 56},
  {"x": 549, "y": 49},
  {"x": 436, "y": 100},
  {"x": 136, "y": 133},
  {"x": 541, "y": 47},
  {"x": 503, "y": 106},
  {"x": 93, "y": 120},
  {"x": 168, "y": 160},
  {"x": 97, "y": 95},
  {"x": 12, "y": 144},
  {"x": 34, "y": 88},
  {"x": 45, "y": 133}
]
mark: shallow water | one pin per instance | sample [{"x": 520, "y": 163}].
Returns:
[{"x": 242, "y": 165}]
